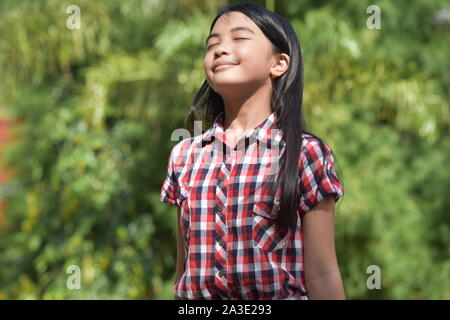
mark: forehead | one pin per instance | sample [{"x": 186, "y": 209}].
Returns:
[{"x": 234, "y": 19}]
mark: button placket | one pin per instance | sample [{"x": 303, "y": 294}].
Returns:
[
  {"x": 221, "y": 228},
  {"x": 221, "y": 232},
  {"x": 221, "y": 241}
]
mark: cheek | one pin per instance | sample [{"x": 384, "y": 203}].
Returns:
[
  {"x": 254, "y": 63},
  {"x": 205, "y": 67},
  {"x": 207, "y": 64}
]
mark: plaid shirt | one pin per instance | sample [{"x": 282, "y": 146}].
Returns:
[{"x": 232, "y": 250}]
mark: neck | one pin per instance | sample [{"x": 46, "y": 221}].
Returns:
[{"x": 245, "y": 113}]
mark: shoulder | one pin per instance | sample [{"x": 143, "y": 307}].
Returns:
[
  {"x": 187, "y": 148},
  {"x": 314, "y": 145},
  {"x": 315, "y": 152},
  {"x": 182, "y": 146}
]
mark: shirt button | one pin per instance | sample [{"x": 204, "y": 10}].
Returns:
[
  {"x": 219, "y": 208},
  {"x": 221, "y": 273},
  {"x": 222, "y": 243},
  {"x": 222, "y": 178}
]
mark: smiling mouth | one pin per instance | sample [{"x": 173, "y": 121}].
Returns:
[{"x": 224, "y": 67}]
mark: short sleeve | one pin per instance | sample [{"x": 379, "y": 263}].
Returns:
[
  {"x": 318, "y": 177},
  {"x": 170, "y": 190}
]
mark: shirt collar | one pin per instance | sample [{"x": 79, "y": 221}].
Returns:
[{"x": 266, "y": 132}]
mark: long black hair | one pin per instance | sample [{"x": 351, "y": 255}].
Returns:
[{"x": 286, "y": 102}]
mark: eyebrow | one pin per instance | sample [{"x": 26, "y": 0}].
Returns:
[{"x": 232, "y": 30}]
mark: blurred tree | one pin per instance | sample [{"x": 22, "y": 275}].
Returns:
[{"x": 96, "y": 108}]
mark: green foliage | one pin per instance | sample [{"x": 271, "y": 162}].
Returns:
[{"x": 96, "y": 107}]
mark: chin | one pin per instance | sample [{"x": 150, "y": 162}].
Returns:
[{"x": 227, "y": 89}]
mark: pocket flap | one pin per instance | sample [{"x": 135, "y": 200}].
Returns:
[{"x": 268, "y": 208}]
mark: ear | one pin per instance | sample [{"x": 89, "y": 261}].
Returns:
[{"x": 280, "y": 66}]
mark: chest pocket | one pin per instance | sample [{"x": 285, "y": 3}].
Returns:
[{"x": 265, "y": 235}]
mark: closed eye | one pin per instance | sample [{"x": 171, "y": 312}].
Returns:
[{"x": 216, "y": 43}]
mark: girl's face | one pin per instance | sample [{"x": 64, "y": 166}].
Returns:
[{"x": 235, "y": 39}]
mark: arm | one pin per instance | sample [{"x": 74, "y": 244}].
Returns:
[
  {"x": 322, "y": 274},
  {"x": 180, "y": 251}
]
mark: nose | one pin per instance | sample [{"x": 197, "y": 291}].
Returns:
[{"x": 220, "y": 49}]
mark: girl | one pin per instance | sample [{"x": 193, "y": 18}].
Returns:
[{"x": 240, "y": 186}]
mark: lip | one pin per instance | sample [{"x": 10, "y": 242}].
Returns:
[{"x": 223, "y": 65}]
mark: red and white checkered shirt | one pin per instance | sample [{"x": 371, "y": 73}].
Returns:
[{"x": 232, "y": 250}]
